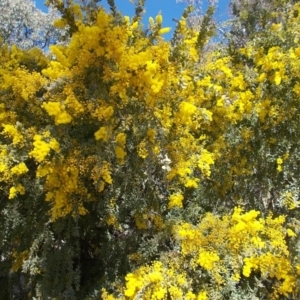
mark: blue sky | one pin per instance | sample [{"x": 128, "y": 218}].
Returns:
[{"x": 169, "y": 9}]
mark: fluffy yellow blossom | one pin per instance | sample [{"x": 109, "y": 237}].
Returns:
[
  {"x": 202, "y": 296},
  {"x": 207, "y": 259},
  {"x": 41, "y": 148},
  {"x": 186, "y": 111},
  {"x": 164, "y": 30},
  {"x": 120, "y": 148},
  {"x": 3, "y": 167},
  {"x": 13, "y": 132},
  {"x": 63, "y": 118},
  {"x": 107, "y": 113},
  {"x": 121, "y": 139},
  {"x": 135, "y": 25},
  {"x": 133, "y": 283},
  {"x": 120, "y": 153},
  {"x": 43, "y": 170},
  {"x": 12, "y": 193},
  {"x": 175, "y": 200},
  {"x": 127, "y": 19},
  {"x": 191, "y": 183},
  {"x": 290, "y": 233},
  {"x": 276, "y": 27},
  {"x": 151, "y": 133},
  {"x": 206, "y": 159},
  {"x": 106, "y": 173},
  {"x": 19, "y": 169},
  {"x": 142, "y": 150},
  {"x": 159, "y": 19},
  {"x": 57, "y": 110},
  {"x": 102, "y": 134},
  {"x": 279, "y": 164},
  {"x": 14, "y": 190},
  {"x": 54, "y": 145},
  {"x": 155, "y": 276},
  {"x": 60, "y": 23}
]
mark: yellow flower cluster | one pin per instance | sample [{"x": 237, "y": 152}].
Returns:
[
  {"x": 3, "y": 114},
  {"x": 26, "y": 84},
  {"x": 226, "y": 250},
  {"x": 120, "y": 148},
  {"x": 15, "y": 190},
  {"x": 19, "y": 169},
  {"x": 206, "y": 159},
  {"x": 142, "y": 149},
  {"x": 56, "y": 109},
  {"x": 157, "y": 282},
  {"x": 175, "y": 200},
  {"x": 42, "y": 149},
  {"x": 101, "y": 175},
  {"x": 72, "y": 103},
  {"x": 13, "y": 132},
  {"x": 261, "y": 242},
  {"x": 279, "y": 164},
  {"x": 103, "y": 112},
  {"x": 207, "y": 258},
  {"x": 63, "y": 186},
  {"x": 290, "y": 200},
  {"x": 140, "y": 77},
  {"x": 103, "y": 134},
  {"x": 151, "y": 133}
]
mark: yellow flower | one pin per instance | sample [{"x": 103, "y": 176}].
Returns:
[
  {"x": 159, "y": 19},
  {"x": 102, "y": 134},
  {"x": 134, "y": 26},
  {"x": 190, "y": 296},
  {"x": 121, "y": 139},
  {"x": 279, "y": 164},
  {"x": 12, "y": 193},
  {"x": 19, "y": 169},
  {"x": 159, "y": 293},
  {"x": 151, "y": 133},
  {"x": 276, "y": 27},
  {"x": 202, "y": 296},
  {"x": 54, "y": 145},
  {"x": 60, "y": 23},
  {"x": 120, "y": 153},
  {"x": 13, "y": 132},
  {"x": 15, "y": 190},
  {"x": 164, "y": 30},
  {"x": 290, "y": 233},
  {"x": 236, "y": 277},
  {"x": 207, "y": 258},
  {"x": 105, "y": 173},
  {"x": 63, "y": 118},
  {"x": 41, "y": 148},
  {"x": 249, "y": 263},
  {"x": 142, "y": 150},
  {"x": 175, "y": 200},
  {"x": 155, "y": 277},
  {"x": 277, "y": 78},
  {"x": 191, "y": 183},
  {"x": 108, "y": 112},
  {"x": 206, "y": 159}
]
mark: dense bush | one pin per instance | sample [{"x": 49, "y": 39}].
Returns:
[{"x": 136, "y": 168}]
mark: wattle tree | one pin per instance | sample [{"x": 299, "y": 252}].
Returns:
[{"x": 138, "y": 168}]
